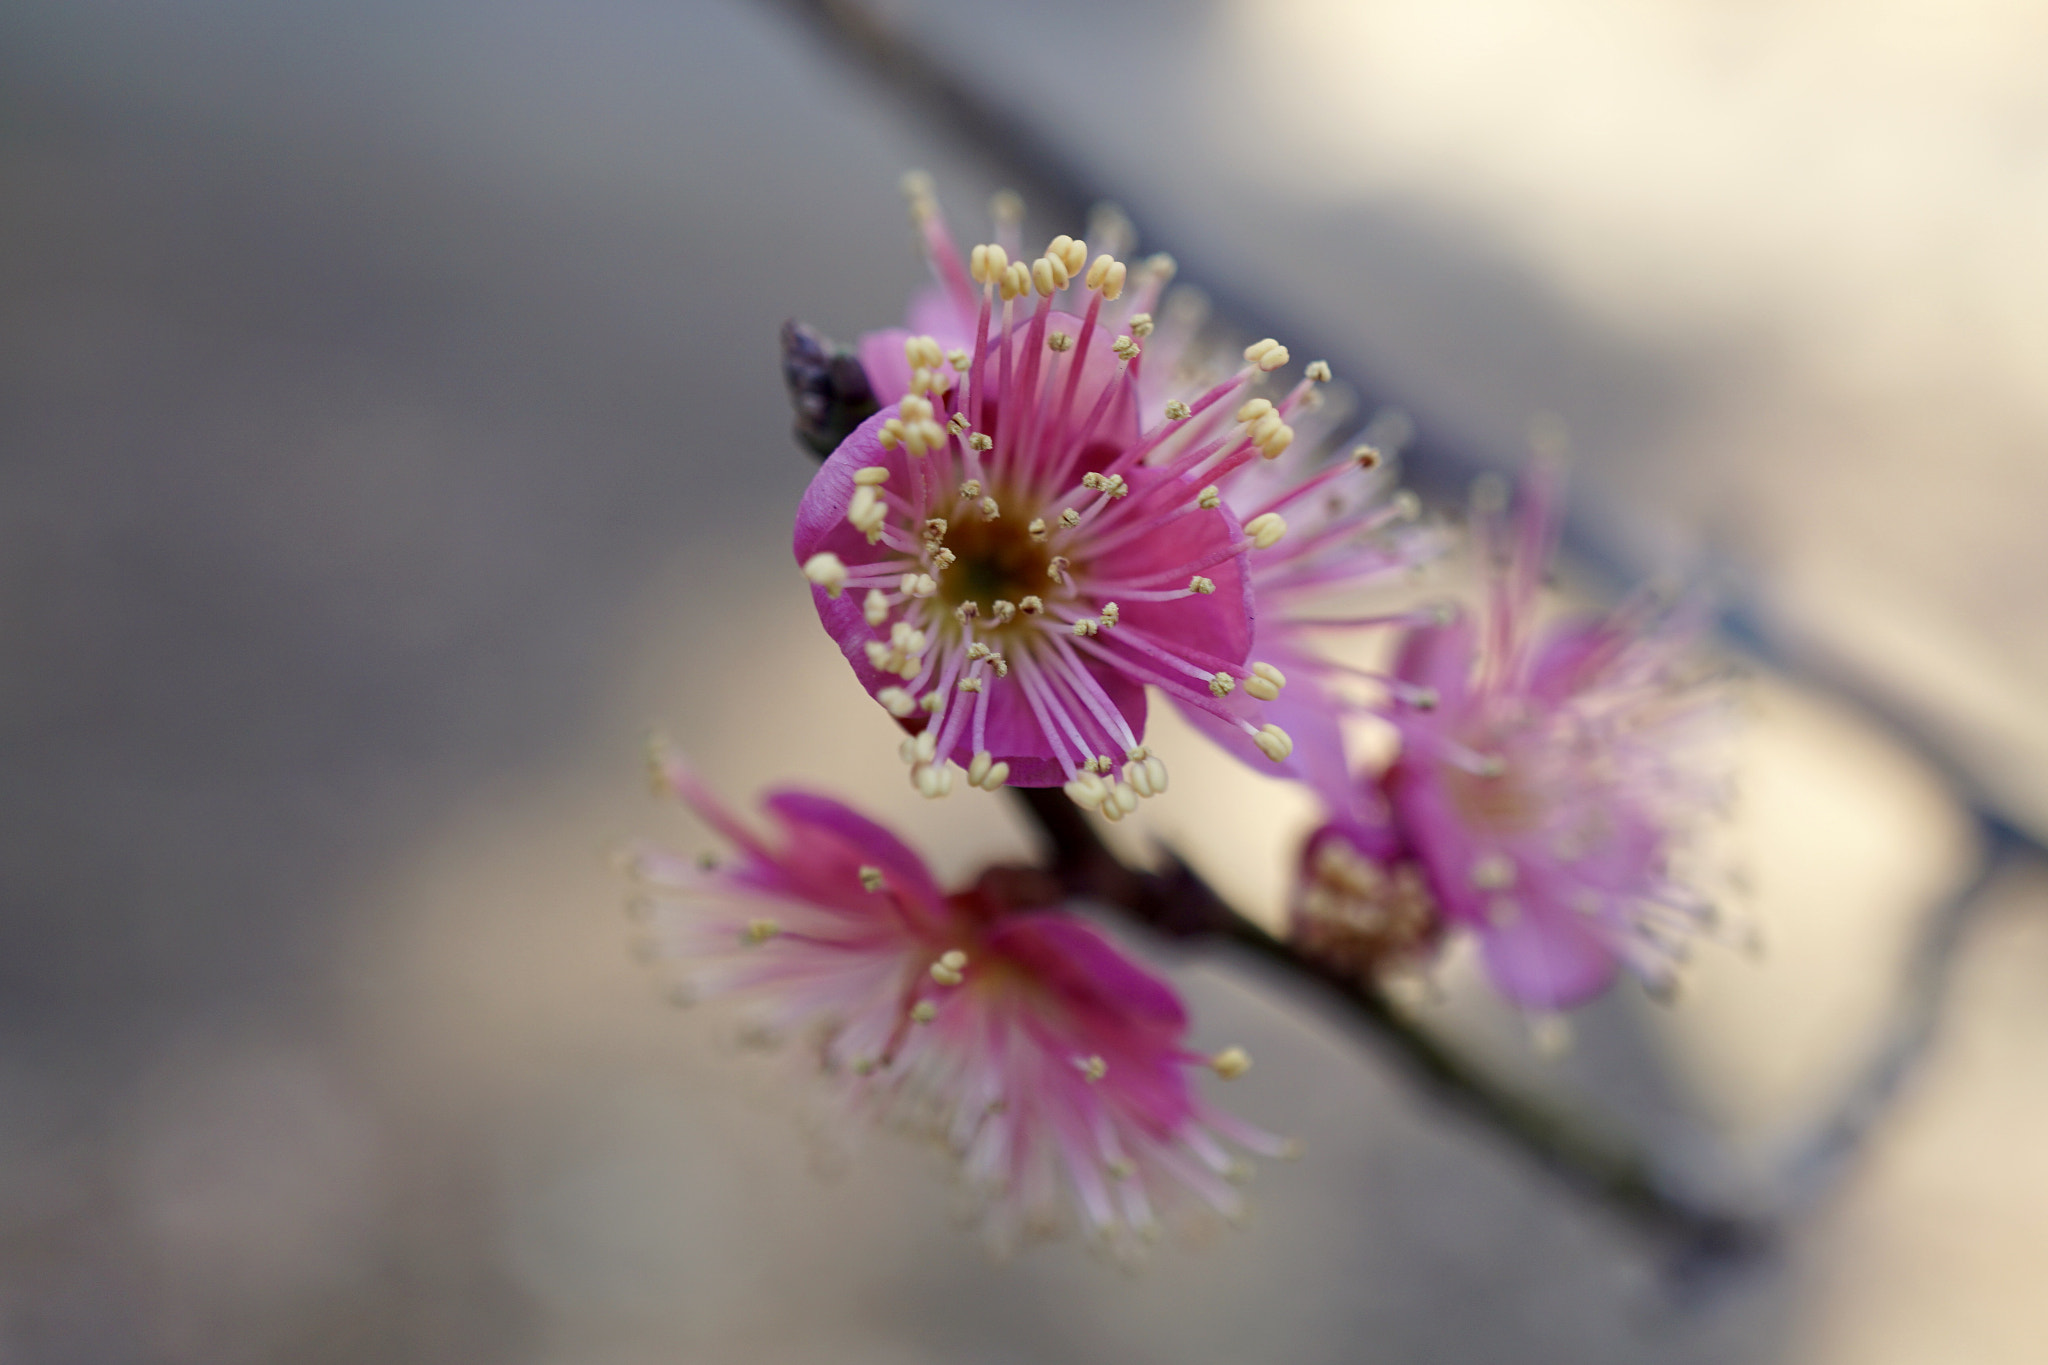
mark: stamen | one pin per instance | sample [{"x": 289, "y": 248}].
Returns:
[
  {"x": 1059, "y": 342},
  {"x": 1266, "y": 530},
  {"x": 1177, "y": 411},
  {"x": 1141, "y": 325},
  {"x": 1268, "y": 354},
  {"x": 828, "y": 571},
  {"x": 1199, "y": 584},
  {"x": 1210, "y": 498},
  {"x": 1265, "y": 682},
  {"x": 871, "y": 879},
  {"x": 1318, "y": 370},
  {"x": 1222, "y": 684},
  {"x": 1273, "y": 742},
  {"x": 871, "y": 474},
  {"x": 1231, "y": 1063}
]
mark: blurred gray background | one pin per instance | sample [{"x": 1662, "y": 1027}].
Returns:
[{"x": 390, "y": 429}]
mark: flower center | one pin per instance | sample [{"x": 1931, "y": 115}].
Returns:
[{"x": 995, "y": 561}]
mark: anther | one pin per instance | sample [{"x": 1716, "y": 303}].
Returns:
[
  {"x": 1092, "y": 1069},
  {"x": 1141, "y": 325},
  {"x": 871, "y": 879},
  {"x": 1125, "y": 348},
  {"x": 1222, "y": 684},
  {"x": 828, "y": 571},
  {"x": 1177, "y": 411},
  {"x": 1210, "y": 498},
  {"x": 1406, "y": 505},
  {"x": 981, "y": 442},
  {"x": 1273, "y": 742},
  {"x": 1016, "y": 281},
  {"x": 935, "y": 531},
  {"x": 927, "y": 747},
  {"x": 1031, "y": 605},
  {"x": 1087, "y": 791},
  {"x": 1036, "y": 530},
  {"x": 929, "y": 702},
  {"x": 871, "y": 474},
  {"x": 995, "y": 778},
  {"x": 759, "y": 931},
  {"x": 1318, "y": 370},
  {"x": 1048, "y": 276},
  {"x": 1070, "y": 519},
  {"x": 1265, "y": 682},
  {"x": 898, "y": 701},
  {"x": 966, "y": 612},
  {"x": 1111, "y": 614},
  {"x": 1059, "y": 342},
  {"x": 1368, "y": 457},
  {"x": 1256, "y": 408},
  {"x": 942, "y": 558},
  {"x": 1056, "y": 569},
  {"x": 1231, "y": 1063},
  {"x": 957, "y": 423},
  {"x": 970, "y": 490},
  {"x": 1201, "y": 585},
  {"x": 959, "y": 359},
  {"x": 1070, "y": 252},
  {"x": 978, "y": 769},
  {"x": 970, "y": 684},
  {"x": 1267, "y": 354},
  {"x": 924, "y": 1011},
  {"x": 1005, "y": 611},
  {"x": 1266, "y": 529}
]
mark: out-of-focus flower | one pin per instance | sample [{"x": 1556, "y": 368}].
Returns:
[
  {"x": 1030, "y": 531},
  {"x": 1544, "y": 774},
  {"x": 1055, "y": 1069},
  {"x": 1361, "y": 903}
]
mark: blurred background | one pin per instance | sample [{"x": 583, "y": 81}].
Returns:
[{"x": 391, "y": 430}]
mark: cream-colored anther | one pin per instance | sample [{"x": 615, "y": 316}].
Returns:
[
  {"x": 1111, "y": 614},
  {"x": 959, "y": 360},
  {"x": 1086, "y": 791},
  {"x": 871, "y": 879},
  {"x": 1177, "y": 411},
  {"x": 945, "y": 974},
  {"x": 1273, "y": 742},
  {"x": 969, "y": 684},
  {"x": 1126, "y": 799},
  {"x": 1261, "y": 688},
  {"x": 957, "y": 423},
  {"x": 1155, "y": 773},
  {"x": 759, "y": 931},
  {"x": 920, "y": 585},
  {"x": 966, "y": 612},
  {"x": 1059, "y": 342},
  {"x": 1092, "y": 1069},
  {"x": 1135, "y": 778},
  {"x": 935, "y": 529},
  {"x": 1254, "y": 409},
  {"x": 1056, "y": 568},
  {"x": 989, "y": 264},
  {"x": 1266, "y": 530},
  {"x": 1267, "y": 354},
  {"x": 1030, "y": 605},
  {"x": 1318, "y": 371},
  {"x": 990, "y": 509},
  {"x": 828, "y": 571},
  {"x": 923, "y": 1012},
  {"x": 1070, "y": 519},
  {"x": 1113, "y": 282},
  {"x": 1141, "y": 325},
  {"x": 1048, "y": 276},
  {"x": 1202, "y": 585},
  {"x": 866, "y": 511},
  {"x": 1231, "y": 1063},
  {"x": 1367, "y": 457},
  {"x": 1125, "y": 349},
  {"x": 875, "y": 608},
  {"x": 1265, "y": 424},
  {"x": 898, "y": 701},
  {"x": 994, "y": 779},
  {"x": 1270, "y": 674},
  {"x": 1221, "y": 684},
  {"x": 1087, "y": 625},
  {"x": 923, "y": 351},
  {"x": 981, "y": 442},
  {"x": 1016, "y": 281},
  {"x": 1093, "y": 279},
  {"x": 932, "y": 780},
  {"x": 1161, "y": 266},
  {"x": 978, "y": 769},
  {"x": 871, "y": 474},
  {"x": 927, "y": 747},
  {"x": 1004, "y": 611},
  {"x": 971, "y": 489},
  {"x": 929, "y": 702},
  {"x": 1070, "y": 252}
]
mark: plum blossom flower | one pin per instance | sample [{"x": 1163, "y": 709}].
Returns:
[
  {"x": 1544, "y": 774},
  {"x": 1055, "y": 1069},
  {"x": 1028, "y": 535}
]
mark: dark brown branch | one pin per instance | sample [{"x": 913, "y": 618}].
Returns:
[{"x": 1175, "y": 901}]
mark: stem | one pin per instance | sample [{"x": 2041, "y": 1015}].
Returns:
[{"x": 1175, "y": 901}]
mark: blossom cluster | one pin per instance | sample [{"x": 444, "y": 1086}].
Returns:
[{"x": 1041, "y": 507}]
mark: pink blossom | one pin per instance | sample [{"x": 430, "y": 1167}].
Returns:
[
  {"x": 1544, "y": 774},
  {"x": 1028, "y": 535},
  {"x": 1055, "y": 1069}
]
